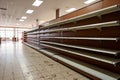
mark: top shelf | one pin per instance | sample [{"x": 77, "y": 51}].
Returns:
[
  {"x": 32, "y": 30},
  {"x": 98, "y": 25},
  {"x": 88, "y": 15}
]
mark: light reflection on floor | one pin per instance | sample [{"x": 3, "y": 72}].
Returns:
[{"x": 19, "y": 62}]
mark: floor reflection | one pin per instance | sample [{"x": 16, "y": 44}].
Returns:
[{"x": 20, "y": 62}]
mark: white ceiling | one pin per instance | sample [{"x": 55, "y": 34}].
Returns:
[{"x": 17, "y": 8}]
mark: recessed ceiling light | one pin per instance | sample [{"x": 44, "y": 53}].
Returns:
[
  {"x": 71, "y": 10},
  {"x": 21, "y": 20},
  {"x": 37, "y": 3},
  {"x": 42, "y": 22},
  {"x": 89, "y": 1},
  {"x": 24, "y": 17},
  {"x": 29, "y": 11}
]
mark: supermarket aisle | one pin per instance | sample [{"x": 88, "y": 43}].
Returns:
[{"x": 20, "y": 62}]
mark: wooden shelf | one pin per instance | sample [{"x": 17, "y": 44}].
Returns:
[
  {"x": 98, "y": 25},
  {"x": 113, "y": 52},
  {"x": 92, "y": 38},
  {"x": 88, "y": 15},
  {"x": 101, "y": 58},
  {"x": 84, "y": 38},
  {"x": 33, "y": 30},
  {"x": 93, "y": 70}
]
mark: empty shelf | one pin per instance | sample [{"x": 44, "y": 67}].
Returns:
[
  {"x": 32, "y": 30},
  {"x": 87, "y": 55},
  {"x": 87, "y": 15},
  {"x": 83, "y": 38},
  {"x": 35, "y": 47},
  {"x": 113, "y": 52},
  {"x": 90, "y": 69},
  {"x": 98, "y": 25}
]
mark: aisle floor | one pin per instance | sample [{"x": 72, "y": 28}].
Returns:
[{"x": 20, "y": 62}]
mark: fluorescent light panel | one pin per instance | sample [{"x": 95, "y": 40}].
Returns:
[
  {"x": 37, "y": 3},
  {"x": 42, "y": 21},
  {"x": 71, "y": 10},
  {"x": 24, "y": 17},
  {"x": 21, "y": 20},
  {"x": 29, "y": 11},
  {"x": 89, "y": 1}
]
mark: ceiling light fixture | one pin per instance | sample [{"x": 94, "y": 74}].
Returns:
[
  {"x": 21, "y": 20},
  {"x": 71, "y": 10},
  {"x": 42, "y": 22},
  {"x": 24, "y": 17},
  {"x": 37, "y": 3},
  {"x": 89, "y": 1},
  {"x": 29, "y": 11}
]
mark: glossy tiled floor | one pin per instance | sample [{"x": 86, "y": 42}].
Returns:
[{"x": 20, "y": 62}]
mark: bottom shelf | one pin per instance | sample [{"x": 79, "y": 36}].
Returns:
[{"x": 88, "y": 70}]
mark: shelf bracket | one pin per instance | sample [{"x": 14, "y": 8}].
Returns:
[
  {"x": 100, "y": 29},
  {"x": 99, "y": 16},
  {"x": 117, "y": 39}
]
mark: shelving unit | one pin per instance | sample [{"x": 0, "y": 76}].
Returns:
[
  {"x": 31, "y": 37},
  {"x": 113, "y": 52},
  {"x": 92, "y": 49},
  {"x": 0, "y": 40},
  {"x": 88, "y": 15},
  {"x": 98, "y": 25},
  {"x": 84, "y": 38},
  {"x": 24, "y": 36}
]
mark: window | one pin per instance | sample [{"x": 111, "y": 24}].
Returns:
[{"x": 8, "y": 33}]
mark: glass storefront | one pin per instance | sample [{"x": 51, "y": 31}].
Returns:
[{"x": 9, "y": 33}]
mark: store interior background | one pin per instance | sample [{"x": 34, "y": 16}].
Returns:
[
  {"x": 11, "y": 13},
  {"x": 7, "y": 34}
]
